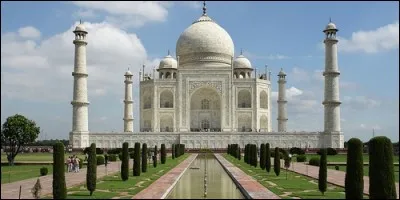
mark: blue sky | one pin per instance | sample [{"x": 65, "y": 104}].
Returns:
[{"x": 37, "y": 57}]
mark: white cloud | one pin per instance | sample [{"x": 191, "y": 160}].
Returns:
[
  {"x": 360, "y": 102},
  {"x": 193, "y": 4},
  {"x": 362, "y": 126},
  {"x": 348, "y": 85},
  {"x": 41, "y": 72},
  {"x": 373, "y": 41},
  {"x": 29, "y": 32},
  {"x": 85, "y": 14},
  {"x": 130, "y": 13}
]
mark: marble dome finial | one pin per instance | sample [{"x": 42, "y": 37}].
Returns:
[{"x": 204, "y": 8}]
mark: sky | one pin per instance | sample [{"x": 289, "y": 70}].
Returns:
[{"x": 37, "y": 58}]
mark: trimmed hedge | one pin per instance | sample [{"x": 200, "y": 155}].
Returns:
[
  {"x": 277, "y": 163},
  {"x": 329, "y": 151},
  {"x": 99, "y": 151},
  {"x": 323, "y": 173},
  {"x": 381, "y": 169},
  {"x": 136, "y": 160},
  {"x": 155, "y": 157},
  {"x": 354, "y": 180},
  {"x": 314, "y": 161},
  {"x": 112, "y": 157},
  {"x": 163, "y": 154},
  {"x": 301, "y": 158},
  {"x": 125, "y": 162},
  {"x": 91, "y": 173},
  {"x": 173, "y": 151},
  {"x": 239, "y": 153},
  {"x": 100, "y": 160},
  {"x": 262, "y": 156},
  {"x": 144, "y": 157},
  {"x": 337, "y": 167},
  {"x": 176, "y": 151},
  {"x": 44, "y": 171},
  {"x": 268, "y": 157},
  {"x": 120, "y": 156},
  {"x": 296, "y": 150},
  {"x": 59, "y": 184}
]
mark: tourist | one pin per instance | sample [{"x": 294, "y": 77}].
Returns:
[
  {"x": 76, "y": 164},
  {"x": 105, "y": 159},
  {"x": 69, "y": 164}
]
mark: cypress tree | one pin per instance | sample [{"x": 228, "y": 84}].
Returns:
[
  {"x": 125, "y": 162},
  {"x": 136, "y": 160},
  {"x": 173, "y": 151},
  {"x": 155, "y": 157},
  {"x": 59, "y": 185},
  {"x": 268, "y": 158},
  {"x": 262, "y": 156},
  {"x": 245, "y": 156},
  {"x": 277, "y": 162},
  {"x": 163, "y": 154},
  {"x": 354, "y": 180},
  {"x": 239, "y": 154},
  {"x": 91, "y": 175},
  {"x": 144, "y": 157},
  {"x": 250, "y": 154},
  {"x": 322, "y": 176},
  {"x": 255, "y": 155},
  {"x": 176, "y": 150},
  {"x": 381, "y": 169}
]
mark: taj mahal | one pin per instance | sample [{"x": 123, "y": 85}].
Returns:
[{"x": 206, "y": 97}]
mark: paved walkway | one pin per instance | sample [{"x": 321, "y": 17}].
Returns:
[
  {"x": 11, "y": 190},
  {"x": 250, "y": 187},
  {"x": 335, "y": 177},
  {"x": 160, "y": 188}
]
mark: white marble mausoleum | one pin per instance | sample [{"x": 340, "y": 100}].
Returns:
[{"x": 206, "y": 97}]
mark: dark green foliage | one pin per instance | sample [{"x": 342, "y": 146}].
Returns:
[
  {"x": 120, "y": 156},
  {"x": 176, "y": 151},
  {"x": 155, "y": 157},
  {"x": 229, "y": 149},
  {"x": 43, "y": 171},
  {"x": 262, "y": 156},
  {"x": 277, "y": 163},
  {"x": 267, "y": 158},
  {"x": 381, "y": 169},
  {"x": 91, "y": 173},
  {"x": 239, "y": 153},
  {"x": 17, "y": 132},
  {"x": 132, "y": 155},
  {"x": 144, "y": 157},
  {"x": 114, "y": 151},
  {"x": 255, "y": 155},
  {"x": 173, "y": 151},
  {"x": 337, "y": 167},
  {"x": 125, "y": 162},
  {"x": 59, "y": 184},
  {"x": 329, "y": 151},
  {"x": 112, "y": 157},
  {"x": 301, "y": 158},
  {"x": 286, "y": 158},
  {"x": 99, "y": 151},
  {"x": 314, "y": 161},
  {"x": 100, "y": 160},
  {"x": 354, "y": 180},
  {"x": 163, "y": 154},
  {"x": 322, "y": 176},
  {"x": 245, "y": 153},
  {"x": 296, "y": 150},
  {"x": 251, "y": 155},
  {"x": 136, "y": 160}
]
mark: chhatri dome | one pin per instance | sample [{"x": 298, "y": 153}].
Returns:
[
  {"x": 80, "y": 27},
  {"x": 241, "y": 62},
  {"x": 168, "y": 62},
  {"x": 204, "y": 40}
]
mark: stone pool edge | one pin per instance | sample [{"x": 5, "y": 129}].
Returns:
[{"x": 257, "y": 191}]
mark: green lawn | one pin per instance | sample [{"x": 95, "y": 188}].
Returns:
[
  {"x": 366, "y": 170},
  {"x": 294, "y": 186},
  {"x": 343, "y": 158},
  {"x": 37, "y": 157},
  {"x": 21, "y": 172},
  {"x": 112, "y": 185}
]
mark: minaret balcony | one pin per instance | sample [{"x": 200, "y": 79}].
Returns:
[
  {"x": 78, "y": 41},
  {"x": 282, "y": 101},
  {"x": 80, "y": 103},
  {"x": 80, "y": 74},
  {"x": 331, "y": 102},
  {"x": 128, "y": 101},
  {"x": 335, "y": 73}
]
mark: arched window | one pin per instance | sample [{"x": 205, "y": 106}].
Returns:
[
  {"x": 205, "y": 124},
  {"x": 174, "y": 75},
  {"x": 244, "y": 99},
  {"x": 147, "y": 102},
  {"x": 166, "y": 99},
  {"x": 263, "y": 100},
  {"x": 205, "y": 104},
  {"x": 168, "y": 75}
]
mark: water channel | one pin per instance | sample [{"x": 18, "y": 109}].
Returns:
[{"x": 219, "y": 184}]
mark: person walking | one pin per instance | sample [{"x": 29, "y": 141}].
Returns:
[{"x": 68, "y": 164}]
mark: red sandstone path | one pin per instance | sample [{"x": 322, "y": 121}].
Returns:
[
  {"x": 160, "y": 188},
  {"x": 11, "y": 190},
  {"x": 335, "y": 177},
  {"x": 252, "y": 187}
]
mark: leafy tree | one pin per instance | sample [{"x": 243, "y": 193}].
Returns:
[
  {"x": 59, "y": 185},
  {"x": 381, "y": 169},
  {"x": 287, "y": 160},
  {"x": 354, "y": 180},
  {"x": 144, "y": 157},
  {"x": 262, "y": 156},
  {"x": 277, "y": 162},
  {"x": 173, "y": 151},
  {"x": 155, "y": 157},
  {"x": 322, "y": 176},
  {"x": 268, "y": 158},
  {"x": 163, "y": 154},
  {"x": 125, "y": 162},
  {"x": 136, "y": 160},
  {"x": 17, "y": 132}
]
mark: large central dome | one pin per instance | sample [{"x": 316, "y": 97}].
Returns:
[{"x": 205, "y": 41}]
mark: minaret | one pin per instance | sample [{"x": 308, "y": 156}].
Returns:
[
  {"x": 331, "y": 102},
  {"x": 282, "y": 116},
  {"x": 80, "y": 101},
  {"x": 128, "y": 110}
]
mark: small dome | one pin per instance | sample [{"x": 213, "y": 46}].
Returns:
[
  {"x": 330, "y": 26},
  {"x": 168, "y": 62},
  {"x": 282, "y": 73},
  {"x": 80, "y": 27},
  {"x": 128, "y": 73},
  {"x": 241, "y": 62}
]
